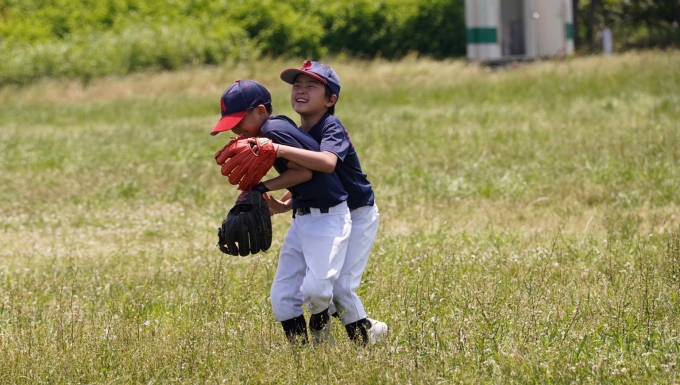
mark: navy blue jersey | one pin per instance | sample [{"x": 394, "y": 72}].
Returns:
[
  {"x": 333, "y": 137},
  {"x": 323, "y": 190}
]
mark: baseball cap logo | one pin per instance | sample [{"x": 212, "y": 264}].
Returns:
[
  {"x": 222, "y": 105},
  {"x": 306, "y": 65}
]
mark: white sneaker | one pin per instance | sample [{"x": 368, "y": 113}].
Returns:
[{"x": 377, "y": 332}]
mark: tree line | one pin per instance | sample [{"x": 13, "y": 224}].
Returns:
[
  {"x": 90, "y": 38},
  {"x": 635, "y": 23}
]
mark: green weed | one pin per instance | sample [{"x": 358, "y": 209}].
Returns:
[{"x": 529, "y": 228}]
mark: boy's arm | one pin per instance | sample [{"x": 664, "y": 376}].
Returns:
[
  {"x": 294, "y": 175},
  {"x": 323, "y": 161}
]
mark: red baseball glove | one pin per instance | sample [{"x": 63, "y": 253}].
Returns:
[{"x": 246, "y": 160}]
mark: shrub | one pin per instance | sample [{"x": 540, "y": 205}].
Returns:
[
  {"x": 277, "y": 29},
  {"x": 136, "y": 47}
]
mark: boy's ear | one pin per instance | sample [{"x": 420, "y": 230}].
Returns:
[
  {"x": 331, "y": 101},
  {"x": 260, "y": 110}
]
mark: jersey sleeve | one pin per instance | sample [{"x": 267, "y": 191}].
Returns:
[
  {"x": 280, "y": 130},
  {"x": 283, "y": 131},
  {"x": 335, "y": 139}
]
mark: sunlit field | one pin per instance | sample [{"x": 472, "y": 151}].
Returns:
[{"x": 530, "y": 228}]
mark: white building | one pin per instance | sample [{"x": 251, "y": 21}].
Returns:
[{"x": 502, "y": 30}]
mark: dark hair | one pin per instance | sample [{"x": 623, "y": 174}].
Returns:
[
  {"x": 329, "y": 93},
  {"x": 267, "y": 107}
]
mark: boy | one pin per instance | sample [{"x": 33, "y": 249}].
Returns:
[
  {"x": 316, "y": 89},
  {"x": 313, "y": 251}
]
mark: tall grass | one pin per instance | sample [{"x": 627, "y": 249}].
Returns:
[{"x": 529, "y": 228}]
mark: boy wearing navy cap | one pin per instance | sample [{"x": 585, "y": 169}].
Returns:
[
  {"x": 315, "y": 91},
  {"x": 313, "y": 250}
]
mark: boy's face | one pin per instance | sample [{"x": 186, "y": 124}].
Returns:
[
  {"x": 308, "y": 96},
  {"x": 251, "y": 124}
]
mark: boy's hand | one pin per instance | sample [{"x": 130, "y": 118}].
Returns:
[
  {"x": 262, "y": 141},
  {"x": 277, "y": 206}
]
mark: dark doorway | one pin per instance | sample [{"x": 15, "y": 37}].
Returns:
[{"x": 512, "y": 27}]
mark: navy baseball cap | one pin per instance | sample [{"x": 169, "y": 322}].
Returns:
[
  {"x": 236, "y": 100},
  {"x": 317, "y": 70}
]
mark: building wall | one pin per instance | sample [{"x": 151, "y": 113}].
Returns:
[
  {"x": 481, "y": 22},
  {"x": 551, "y": 34},
  {"x": 569, "y": 25}
]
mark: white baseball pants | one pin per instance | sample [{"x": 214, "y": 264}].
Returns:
[
  {"x": 365, "y": 222},
  {"x": 312, "y": 256}
]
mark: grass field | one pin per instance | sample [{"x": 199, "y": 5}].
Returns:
[{"x": 530, "y": 228}]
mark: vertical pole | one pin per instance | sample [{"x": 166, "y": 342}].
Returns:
[{"x": 607, "y": 42}]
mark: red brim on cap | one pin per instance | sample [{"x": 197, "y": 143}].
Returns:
[
  {"x": 290, "y": 74},
  {"x": 228, "y": 122}
]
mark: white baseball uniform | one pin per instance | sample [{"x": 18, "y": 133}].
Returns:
[{"x": 313, "y": 251}]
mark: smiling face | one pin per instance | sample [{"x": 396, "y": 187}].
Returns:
[{"x": 308, "y": 96}]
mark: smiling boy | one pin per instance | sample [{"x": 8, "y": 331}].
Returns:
[{"x": 315, "y": 91}]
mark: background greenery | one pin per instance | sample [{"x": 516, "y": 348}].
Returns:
[
  {"x": 635, "y": 23},
  {"x": 84, "y": 38},
  {"x": 87, "y": 39},
  {"x": 530, "y": 228}
]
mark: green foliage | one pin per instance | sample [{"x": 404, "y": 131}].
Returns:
[
  {"x": 42, "y": 38},
  {"x": 359, "y": 27},
  {"x": 635, "y": 23},
  {"x": 436, "y": 28},
  {"x": 87, "y": 38},
  {"x": 278, "y": 30},
  {"x": 135, "y": 47}
]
